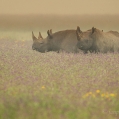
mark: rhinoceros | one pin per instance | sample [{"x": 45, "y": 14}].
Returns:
[
  {"x": 96, "y": 40},
  {"x": 59, "y": 41}
]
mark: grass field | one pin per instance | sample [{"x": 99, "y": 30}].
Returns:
[{"x": 53, "y": 85}]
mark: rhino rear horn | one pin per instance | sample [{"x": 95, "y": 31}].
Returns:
[
  {"x": 78, "y": 29},
  {"x": 40, "y": 36},
  {"x": 49, "y": 32},
  {"x": 33, "y": 37}
]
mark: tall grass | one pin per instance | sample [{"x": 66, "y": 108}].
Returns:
[{"x": 53, "y": 85}]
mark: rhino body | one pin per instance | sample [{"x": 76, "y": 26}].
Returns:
[
  {"x": 96, "y": 40},
  {"x": 59, "y": 41}
]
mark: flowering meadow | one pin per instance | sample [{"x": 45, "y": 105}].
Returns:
[{"x": 54, "y": 85}]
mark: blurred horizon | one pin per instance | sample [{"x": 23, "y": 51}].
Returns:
[
  {"x": 58, "y": 22},
  {"x": 20, "y": 16},
  {"x": 22, "y": 25}
]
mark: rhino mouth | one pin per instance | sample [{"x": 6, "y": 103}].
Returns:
[
  {"x": 80, "y": 47},
  {"x": 39, "y": 50},
  {"x": 34, "y": 49}
]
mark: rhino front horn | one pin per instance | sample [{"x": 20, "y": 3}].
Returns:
[
  {"x": 32, "y": 34},
  {"x": 33, "y": 37},
  {"x": 49, "y": 32}
]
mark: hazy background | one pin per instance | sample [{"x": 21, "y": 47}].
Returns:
[
  {"x": 19, "y": 17},
  {"x": 59, "y": 7}
]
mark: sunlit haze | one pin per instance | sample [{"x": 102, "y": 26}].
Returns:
[{"x": 59, "y": 7}]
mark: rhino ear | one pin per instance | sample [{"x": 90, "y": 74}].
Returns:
[
  {"x": 78, "y": 29},
  {"x": 33, "y": 37},
  {"x": 49, "y": 32},
  {"x": 93, "y": 30},
  {"x": 40, "y": 36},
  {"x": 78, "y": 35}
]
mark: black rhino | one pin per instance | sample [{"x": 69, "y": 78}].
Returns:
[
  {"x": 59, "y": 41},
  {"x": 96, "y": 40}
]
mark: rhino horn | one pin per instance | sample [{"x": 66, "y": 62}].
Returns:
[
  {"x": 40, "y": 36},
  {"x": 78, "y": 29},
  {"x": 49, "y": 32},
  {"x": 93, "y": 30},
  {"x": 33, "y": 37}
]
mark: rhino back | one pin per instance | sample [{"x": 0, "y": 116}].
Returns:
[
  {"x": 64, "y": 40},
  {"x": 114, "y": 33},
  {"x": 107, "y": 41}
]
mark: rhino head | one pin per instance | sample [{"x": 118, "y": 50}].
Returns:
[
  {"x": 85, "y": 40},
  {"x": 40, "y": 44}
]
